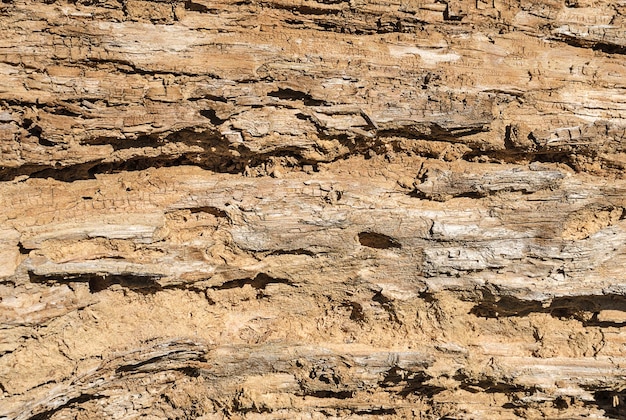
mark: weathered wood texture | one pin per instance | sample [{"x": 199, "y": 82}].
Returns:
[{"x": 303, "y": 209}]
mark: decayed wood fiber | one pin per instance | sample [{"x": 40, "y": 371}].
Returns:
[{"x": 312, "y": 209}]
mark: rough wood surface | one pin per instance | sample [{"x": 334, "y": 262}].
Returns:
[{"x": 312, "y": 209}]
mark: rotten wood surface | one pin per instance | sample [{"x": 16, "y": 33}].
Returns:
[{"x": 312, "y": 209}]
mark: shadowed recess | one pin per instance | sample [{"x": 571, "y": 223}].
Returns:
[
  {"x": 99, "y": 282},
  {"x": 409, "y": 382},
  {"x": 77, "y": 401},
  {"x": 613, "y": 402},
  {"x": 583, "y": 308},
  {"x": 377, "y": 240},
  {"x": 260, "y": 281},
  {"x": 294, "y": 95}
]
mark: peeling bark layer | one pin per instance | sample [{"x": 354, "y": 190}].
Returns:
[{"x": 312, "y": 209}]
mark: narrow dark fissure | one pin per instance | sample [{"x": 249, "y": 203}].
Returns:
[
  {"x": 260, "y": 281},
  {"x": 83, "y": 398}
]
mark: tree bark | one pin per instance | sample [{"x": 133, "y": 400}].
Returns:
[{"x": 308, "y": 209}]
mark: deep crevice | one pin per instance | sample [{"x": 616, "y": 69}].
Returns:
[
  {"x": 116, "y": 143},
  {"x": 604, "y": 47},
  {"x": 586, "y": 309},
  {"x": 342, "y": 395},
  {"x": 612, "y": 402},
  {"x": 433, "y": 131},
  {"x": 211, "y": 115},
  {"x": 197, "y": 7},
  {"x": 377, "y": 240},
  {"x": 135, "y": 366},
  {"x": 128, "y": 67},
  {"x": 60, "y": 110},
  {"x": 260, "y": 281},
  {"x": 409, "y": 382},
  {"x": 295, "y": 95},
  {"x": 191, "y": 372},
  {"x": 218, "y": 154},
  {"x": 451, "y": 18},
  {"x": 23, "y": 249},
  {"x": 298, "y": 251},
  {"x": 36, "y": 131},
  {"x": 454, "y": 133},
  {"x": 83, "y": 398},
  {"x": 217, "y": 212},
  {"x": 187, "y": 370},
  {"x": 101, "y": 281},
  {"x": 356, "y": 311},
  {"x": 387, "y": 305}
]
